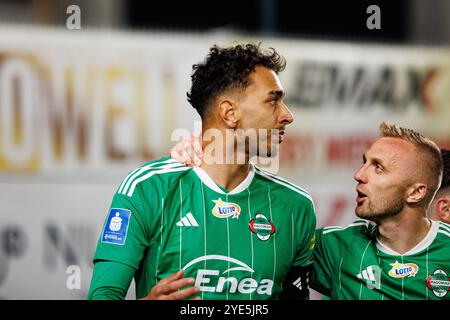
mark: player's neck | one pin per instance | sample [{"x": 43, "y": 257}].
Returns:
[
  {"x": 228, "y": 176},
  {"x": 224, "y": 163},
  {"x": 404, "y": 231}
]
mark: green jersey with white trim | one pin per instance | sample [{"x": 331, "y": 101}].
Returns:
[
  {"x": 237, "y": 245},
  {"x": 351, "y": 263}
]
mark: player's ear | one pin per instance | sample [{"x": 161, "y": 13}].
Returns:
[
  {"x": 229, "y": 112},
  {"x": 443, "y": 208},
  {"x": 416, "y": 193}
]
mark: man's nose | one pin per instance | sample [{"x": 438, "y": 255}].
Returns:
[
  {"x": 286, "y": 116},
  {"x": 360, "y": 175}
]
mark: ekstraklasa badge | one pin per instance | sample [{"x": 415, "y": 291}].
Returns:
[
  {"x": 262, "y": 227},
  {"x": 116, "y": 226}
]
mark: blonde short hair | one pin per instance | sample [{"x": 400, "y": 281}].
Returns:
[{"x": 428, "y": 148}]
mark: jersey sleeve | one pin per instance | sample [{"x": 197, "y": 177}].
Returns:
[
  {"x": 322, "y": 273},
  {"x": 126, "y": 232},
  {"x": 305, "y": 233},
  {"x": 110, "y": 281}
]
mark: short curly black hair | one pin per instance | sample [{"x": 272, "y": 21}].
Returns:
[
  {"x": 446, "y": 174},
  {"x": 228, "y": 68}
]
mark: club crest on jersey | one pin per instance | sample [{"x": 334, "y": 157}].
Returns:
[
  {"x": 262, "y": 227},
  {"x": 400, "y": 270},
  {"x": 224, "y": 209},
  {"x": 439, "y": 283}
]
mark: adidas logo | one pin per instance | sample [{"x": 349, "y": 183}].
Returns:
[
  {"x": 372, "y": 275},
  {"x": 187, "y": 221},
  {"x": 302, "y": 281},
  {"x": 298, "y": 283}
]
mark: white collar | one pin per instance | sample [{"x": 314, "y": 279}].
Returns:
[
  {"x": 429, "y": 238},
  {"x": 206, "y": 179}
]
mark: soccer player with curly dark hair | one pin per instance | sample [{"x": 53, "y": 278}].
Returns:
[{"x": 225, "y": 229}]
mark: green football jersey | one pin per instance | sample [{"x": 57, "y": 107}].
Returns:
[
  {"x": 237, "y": 245},
  {"x": 351, "y": 263}
]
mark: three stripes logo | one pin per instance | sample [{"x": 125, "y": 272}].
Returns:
[
  {"x": 298, "y": 283},
  {"x": 187, "y": 221},
  {"x": 372, "y": 276}
]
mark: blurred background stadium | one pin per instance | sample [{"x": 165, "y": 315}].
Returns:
[{"x": 84, "y": 101}]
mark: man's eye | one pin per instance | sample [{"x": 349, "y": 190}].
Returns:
[
  {"x": 273, "y": 102},
  {"x": 379, "y": 168}
]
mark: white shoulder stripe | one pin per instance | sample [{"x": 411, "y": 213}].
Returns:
[
  {"x": 151, "y": 173},
  {"x": 268, "y": 173},
  {"x": 444, "y": 226},
  {"x": 125, "y": 180},
  {"x": 145, "y": 170},
  {"x": 444, "y": 232},
  {"x": 306, "y": 195},
  {"x": 356, "y": 224},
  {"x": 137, "y": 171}
]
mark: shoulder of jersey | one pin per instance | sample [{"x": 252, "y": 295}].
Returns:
[
  {"x": 151, "y": 171},
  {"x": 359, "y": 228},
  {"x": 444, "y": 231},
  {"x": 288, "y": 188}
]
